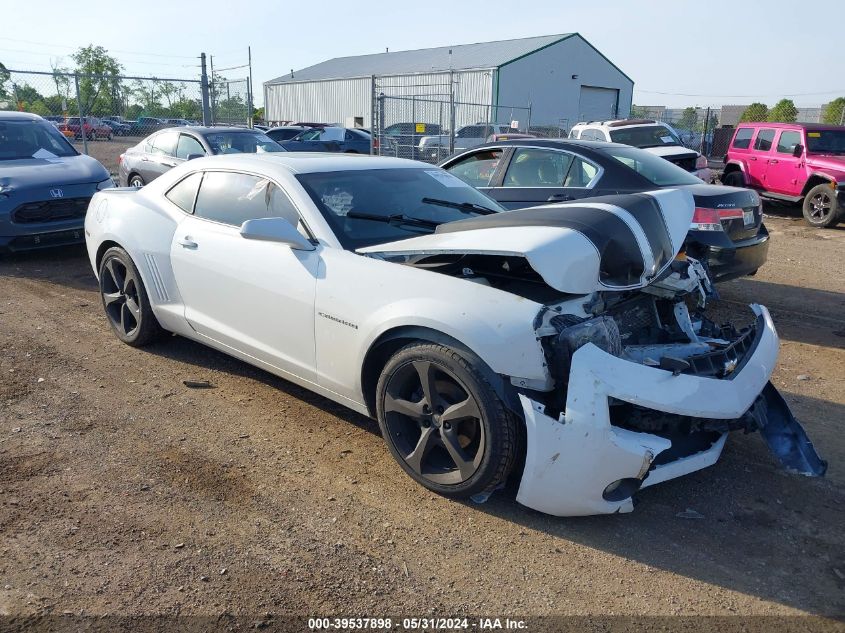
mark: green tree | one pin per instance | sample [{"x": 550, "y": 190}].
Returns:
[
  {"x": 99, "y": 84},
  {"x": 708, "y": 124},
  {"x": 689, "y": 117},
  {"x": 4, "y": 77},
  {"x": 833, "y": 111},
  {"x": 639, "y": 112},
  {"x": 755, "y": 112},
  {"x": 783, "y": 112}
]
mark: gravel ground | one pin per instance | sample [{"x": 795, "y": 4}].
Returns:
[{"x": 124, "y": 492}]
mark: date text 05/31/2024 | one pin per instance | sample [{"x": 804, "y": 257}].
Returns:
[{"x": 414, "y": 624}]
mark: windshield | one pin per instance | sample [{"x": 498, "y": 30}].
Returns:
[
  {"x": 242, "y": 143},
  {"x": 826, "y": 141},
  {"x": 645, "y": 136},
  {"x": 32, "y": 139},
  {"x": 390, "y": 192},
  {"x": 309, "y": 135},
  {"x": 658, "y": 171}
]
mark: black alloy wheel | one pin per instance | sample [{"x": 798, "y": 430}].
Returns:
[{"x": 443, "y": 422}]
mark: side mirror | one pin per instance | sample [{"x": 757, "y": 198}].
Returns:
[
  {"x": 193, "y": 156},
  {"x": 798, "y": 151},
  {"x": 275, "y": 230}
]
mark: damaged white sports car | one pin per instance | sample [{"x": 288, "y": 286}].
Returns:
[{"x": 566, "y": 345}]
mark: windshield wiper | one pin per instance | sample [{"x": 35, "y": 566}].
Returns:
[
  {"x": 395, "y": 219},
  {"x": 466, "y": 207}
]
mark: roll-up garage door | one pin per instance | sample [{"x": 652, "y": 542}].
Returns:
[{"x": 598, "y": 104}]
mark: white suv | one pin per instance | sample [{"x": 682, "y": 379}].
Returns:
[{"x": 652, "y": 136}]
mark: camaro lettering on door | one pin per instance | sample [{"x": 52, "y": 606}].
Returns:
[{"x": 336, "y": 320}]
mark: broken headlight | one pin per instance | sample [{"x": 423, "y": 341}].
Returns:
[{"x": 601, "y": 331}]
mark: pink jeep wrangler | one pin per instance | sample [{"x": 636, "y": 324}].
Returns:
[{"x": 794, "y": 162}]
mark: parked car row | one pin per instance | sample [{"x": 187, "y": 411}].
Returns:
[{"x": 595, "y": 294}]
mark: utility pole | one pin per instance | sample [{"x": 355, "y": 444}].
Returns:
[
  {"x": 251, "y": 86},
  {"x": 213, "y": 96},
  {"x": 206, "y": 113},
  {"x": 81, "y": 114}
]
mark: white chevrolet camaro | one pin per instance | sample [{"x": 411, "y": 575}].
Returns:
[{"x": 566, "y": 346}]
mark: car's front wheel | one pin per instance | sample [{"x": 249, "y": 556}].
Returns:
[
  {"x": 733, "y": 179},
  {"x": 136, "y": 181},
  {"x": 443, "y": 422},
  {"x": 820, "y": 207},
  {"x": 125, "y": 300}
]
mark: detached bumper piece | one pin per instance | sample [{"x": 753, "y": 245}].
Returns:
[
  {"x": 784, "y": 434},
  {"x": 664, "y": 425}
]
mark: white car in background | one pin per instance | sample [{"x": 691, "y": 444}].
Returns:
[
  {"x": 652, "y": 136},
  {"x": 559, "y": 335}
]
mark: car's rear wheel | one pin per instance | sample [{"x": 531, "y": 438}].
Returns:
[
  {"x": 92, "y": 135},
  {"x": 820, "y": 207},
  {"x": 136, "y": 181},
  {"x": 443, "y": 422},
  {"x": 125, "y": 300},
  {"x": 733, "y": 179}
]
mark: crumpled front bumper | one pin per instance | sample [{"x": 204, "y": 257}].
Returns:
[{"x": 570, "y": 462}]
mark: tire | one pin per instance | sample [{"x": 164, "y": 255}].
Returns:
[
  {"x": 455, "y": 455},
  {"x": 820, "y": 207},
  {"x": 135, "y": 181},
  {"x": 125, "y": 300},
  {"x": 110, "y": 136},
  {"x": 92, "y": 136},
  {"x": 733, "y": 179}
]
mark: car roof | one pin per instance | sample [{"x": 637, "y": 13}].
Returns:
[
  {"x": 562, "y": 143},
  {"x": 806, "y": 126},
  {"x": 306, "y": 162},
  {"x": 19, "y": 116},
  {"x": 203, "y": 129},
  {"x": 288, "y": 127}
]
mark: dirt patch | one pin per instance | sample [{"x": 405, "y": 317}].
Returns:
[{"x": 132, "y": 492}]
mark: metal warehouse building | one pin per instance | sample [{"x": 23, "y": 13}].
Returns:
[{"x": 563, "y": 78}]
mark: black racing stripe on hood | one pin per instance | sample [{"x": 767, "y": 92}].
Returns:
[
  {"x": 621, "y": 260},
  {"x": 647, "y": 212}
]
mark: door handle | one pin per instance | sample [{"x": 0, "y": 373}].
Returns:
[
  {"x": 752, "y": 158},
  {"x": 187, "y": 242},
  {"x": 558, "y": 197},
  {"x": 169, "y": 164},
  {"x": 774, "y": 161}
]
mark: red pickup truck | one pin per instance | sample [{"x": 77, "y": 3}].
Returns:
[{"x": 794, "y": 162}]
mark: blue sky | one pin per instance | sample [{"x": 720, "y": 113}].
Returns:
[{"x": 697, "y": 53}]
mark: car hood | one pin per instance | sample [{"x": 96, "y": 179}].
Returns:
[
  {"x": 610, "y": 242},
  {"x": 671, "y": 150},
  {"x": 828, "y": 162},
  {"x": 50, "y": 172}
]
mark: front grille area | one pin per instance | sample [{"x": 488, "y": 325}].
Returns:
[
  {"x": 724, "y": 362},
  {"x": 43, "y": 240},
  {"x": 50, "y": 210},
  {"x": 687, "y": 164}
]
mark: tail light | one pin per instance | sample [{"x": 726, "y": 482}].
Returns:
[
  {"x": 375, "y": 143},
  {"x": 711, "y": 219},
  {"x": 701, "y": 162},
  {"x": 120, "y": 160}
]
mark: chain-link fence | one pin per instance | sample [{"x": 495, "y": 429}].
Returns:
[
  {"x": 103, "y": 115},
  {"x": 230, "y": 101},
  {"x": 426, "y": 122}
]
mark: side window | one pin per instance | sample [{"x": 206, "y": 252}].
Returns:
[
  {"x": 188, "y": 145},
  {"x": 232, "y": 198},
  {"x": 279, "y": 205},
  {"x": 184, "y": 192},
  {"x": 537, "y": 168},
  {"x": 165, "y": 144},
  {"x": 787, "y": 141},
  {"x": 581, "y": 173},
  {"x": 764, "y": 140},
  {"x": 574, "y": 133},
  {"x": 742, "y": 140},
  {"x": 470, "y": 131},
  {"x": 477, "y": 169}
]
